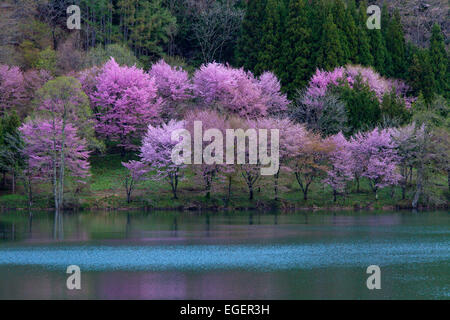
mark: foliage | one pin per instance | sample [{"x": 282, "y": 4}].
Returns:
[
  {"x": 126, "y": 102},
  {"x": 156, "y": 151}
]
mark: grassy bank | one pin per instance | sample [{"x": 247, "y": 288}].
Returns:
[{"x": 105, "y": 190}]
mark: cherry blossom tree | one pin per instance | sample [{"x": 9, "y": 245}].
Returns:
[
  {"x": 341, "y": 163},
  {"x": 12, "y": 88},
  {"x": 406, "y": 140},
  {"x": 375, "y": 158},
  {"x": 311, "y": 162},
  {"x": 156, "y": 151},
  {"x": 290, "y": 137},
  {"x": 229, "y": 90},
  {"x": 274, "y": 99},
  {"x": 172, "y": 82},
  {"x": 174, "y": 86},
  {"x": 54, "y": 149},
  {"x": 136, "y": 172},
  {"x": 127, "y": 101},
  {"x": 214, "y": 147},
  {"x": 62, "y": 103}
]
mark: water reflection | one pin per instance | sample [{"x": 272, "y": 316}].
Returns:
[{"x": 172, "y": 255}]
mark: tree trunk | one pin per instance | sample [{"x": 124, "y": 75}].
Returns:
[
  {"x": 415, "y": 201},
  {"x": 251, "y": 192},
  {"x": 13, "y": 182},
  {"x": 334, "y": 195},
  {"x": 229, "y": 189},
  {"x": 275, "y": 187}
]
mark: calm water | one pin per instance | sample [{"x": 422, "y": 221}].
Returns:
[{"x": 225, "y": 256}]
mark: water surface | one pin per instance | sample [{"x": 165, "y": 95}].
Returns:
[{"x": 134, "y": 255}]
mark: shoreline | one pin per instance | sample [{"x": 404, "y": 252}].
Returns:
[{"x": 264, "y": 208}]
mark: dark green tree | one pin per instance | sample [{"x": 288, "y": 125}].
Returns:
[
  {"x": 421, "y": 77},
  {"x": 270, "y": 54},
  {"x": 331, "y": 54},
  {"x": 341, "y": 20},
  {"x": 364, "y": 56},
  {"x": 249, "y": 42},
  {"x": 439, "y": 60},
  {"x": 296, "y": 48},
  {"x": 362, "y": 106},
  {"x": 395, "y": 44}
]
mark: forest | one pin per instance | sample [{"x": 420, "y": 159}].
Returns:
[{"x": 86, "y": 116}]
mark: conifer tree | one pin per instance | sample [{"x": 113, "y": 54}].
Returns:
[
  {"x": 395, "y": 44},
  {"x": 385, "y": 21},
  {"x": 364, "y": 56},
  {"x": 270, "y": 53},
  {"x": 421, "y": 75},
  {"x": 296, "y": 48},
  {"x": 340, "y": 19},
  {"x": 439, "y": 60},
  {"x": 331, "y": 54},
  {"x": 378, "y": 50},
  {"x": 249, "y": 42}
]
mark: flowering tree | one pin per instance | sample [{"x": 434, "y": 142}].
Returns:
[
  {"x": 173, "y": 86},
  {"x": 406, "y": 141},
  {"x": 209, "y": 168},
  {"x": 156, "y": 151},
  {"x": 321, "y": 82},
  {"x": 172, "y": 82},
  {"x": 12, "y": 88},
  {"x": 274, "y": 99},
  {"x": 341, "y": 163},
  {"x": 290, "y": 137},
  {"x": 311, "y": 161},
  {"x": 126, "y": 100},
  {"x": 63, "y": 104},
  {"x": 54, "y": 152},
  {"x": 230, "y": 90},
  {"x": 136, "y": 173},
  {"x": 238, "y": 92},
  {"x": 375, "y": 158}
]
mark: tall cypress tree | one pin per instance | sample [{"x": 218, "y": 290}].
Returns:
[
  {"x": 296, "y": 48},
  {"x": 317, "y": 11},
  {"x": 249, "y": 42},
  {"x": 331, "y": 53},
  {"x": 340, "y": 19},
  {"x": 421, "y": 75},
  {"x": 378, "y": 50},
  {"x": 385, "y": 21},
  {"x": 351, "y": 33},
  {"x": 364, "y": 56},
  {"x": 395, "y": 44},
  {"x": 270, "y": 53},
  {"x": 439, "y": 60}
]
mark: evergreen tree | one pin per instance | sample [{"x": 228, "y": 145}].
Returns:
[
  {"x": 270, "y": 53},
  {"x": 317, "y": 11},
  {"x": 421, "y": 76},
  {"x": 296, "y": 48},
  {"x": 395, "y": 44},
  {"x": 340, "y": 19},
  {"x": 351, "y": 33},
  {"x": 378, "y": 50},
  {"x": 385, "y": 21},
  {"x": 249, "y": 42},
  {"x": 364, "y": 56},
  {"x": 439, "y": 60},
  {"x": 331, "y": 54}
]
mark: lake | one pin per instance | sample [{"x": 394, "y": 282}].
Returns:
[{"x": 228, "y": 255}]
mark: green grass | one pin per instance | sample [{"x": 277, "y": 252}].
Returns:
[{"x": 105, "y": 189}]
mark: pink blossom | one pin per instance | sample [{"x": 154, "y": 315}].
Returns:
[{"x": 127, "y": 101}]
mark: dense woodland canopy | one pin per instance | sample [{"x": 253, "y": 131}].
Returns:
[{"x": 351, "y": 104}]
